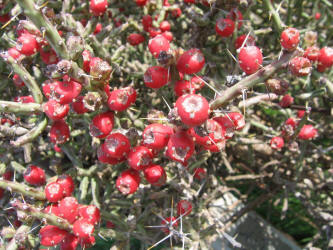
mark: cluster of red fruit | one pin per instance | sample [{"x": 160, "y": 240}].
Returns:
[
  {"x": 307, "y": 132},
  {"x": 82, "y": 217},
  {"x": 301, "y": 66},
  {"x": 184, "y": 208}
]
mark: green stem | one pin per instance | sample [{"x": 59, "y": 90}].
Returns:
[
  {"x": 14, "y": 243},
  {"x": 276, "y": 18},
  {"x": 19, "y": 108},
  {"x": 31, "y": 10},
  {"x": 22, "y": 189},
  {"x": 27, "y": 79},
  {"x": 45, "y": 217},
  {"x": 18, "y": 167},
  {"x": 251, "y": 80},
  {"x": 31, "y": 135},
  {"x": 95, "y": 192}
]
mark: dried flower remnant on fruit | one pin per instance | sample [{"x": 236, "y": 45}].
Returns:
[{"x": 277, "y": 86}]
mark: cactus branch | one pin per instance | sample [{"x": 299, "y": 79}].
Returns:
[
  {"x": 251, "y": 80},
  {"x": 33, "y": 13},
  {"x": 276, "y": 18},
  {"x": 22, "y": 189},
  {"x": 45, "y": 217},
  {"x": 31, "y": 135},
  {"x": 19, "y": 108},
  {"x": 29, "y": 81}
]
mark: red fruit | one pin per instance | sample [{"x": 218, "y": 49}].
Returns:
[
  {"x": 51, "y": 235},
  {"x": 191, "y": 61},
  {"x": 117, "y": 145},
  {"x": 104, "y": 157},
  {"x": 197, "y": 82},
  {"x": 3, "y": 121},
  {"x": 312, "y": 53},
  {"x": 326, "y": 57},
  {"x": 289, "y": 127},
  {"x": 48, "y": 56},
  {"x": 168, "y": 35},
  {"x": 69, "y": 208},
  {"x": 189, "y": 1},
  {"x": 135, "y": 39},
  {"x": 128, "y": 181},
  {"x": 300, "y": 113},
  {"x": 286, "y": 101},
  {"x": 208, "y": 136},
  {"x": 18, "y": 81},
  {"x": 147, "y": 22},
  {"x": 121, "y": 99},
  {"x": 109, "y": 224},
  {"x": 224, "y": 27},
  {"x": 184, "y": 208},
  {"x": 183, "y": 87},
  {"x": 8, "y": 175},
  {"x": 140, "y": 157},
  {"x": 24, "y": 99},
  {"x": 250, "y": 59},
  {"x": 55, "y": 110},
  {"x": 66, "y": 91},
  {"x": 307, "y": 132},
  {"x": 166, "y": 3},
  {"x": 227, "y": 125},
  {"x": 87, "y": 242},
  {"x": 54, "y": 192},
  {"x": 67, "y": 183},
  {"x": 98, "y": 28},
  {"x": 59, "y": 132},
  {"x": 156, "y": 77},
  {"x": 180, "y": 147},
  {"x": 83, "y": 228},
  {"x": 289, "y": 39},
  {"x": 141, "y": 2},
  {"x": 48, "y": 88},
  {"x": 321, "y": 68},
  {"x": 156, "y": 136},
  {"x": 4, "y": 18},
  {"x": 177, "y": 12},
  {"x": 34, "y": 175},
  {"x": 238, "y": 120},
  {"x": 247, "y": 40},
  {"x": 192, "y": 109},
  {"x": 27, "y": 44},
  {"x": 158, "y": 44},
  {"x": 277, "y": 142},
  {"x": 169, "y": 223},
  {"x": 300, "y": 66},
  {"x": 70, "y": 242},
  {"x": 154, "y": 32},
  {"x": 155, "y": 175},
  {"x": 86, "y": 56},
  {"x": 200, "y": 174},
  {"x": 102, "y": 124},
  {"x": 165, "y": 26},
  {"x": 291, "y": 122},
  {"x": 236, "y": 15},
  {"x": 317, "y": 16},
  {"x": 52, "y": 209},
  {"x": 2, "y": 191},
  {"x": 98, "y": 7},
  {"x": 91, "y": 213},
  {"x": 78, "y": 105},
  {"x": 14, "y": 53}
]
